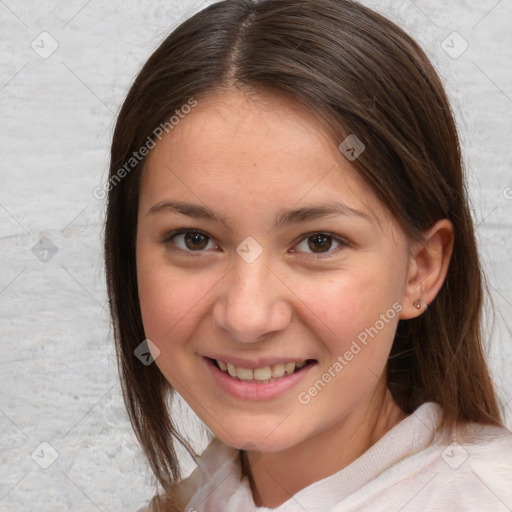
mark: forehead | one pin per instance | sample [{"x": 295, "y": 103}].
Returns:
[{"x": 238, "y": 148}]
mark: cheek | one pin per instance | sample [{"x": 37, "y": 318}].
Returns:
[
  {"x": 169, "y": 298},
  {"x": 170, "y": 303},
  {"x": 355, "y": 321},
  {"x": 355, "y": 312}
]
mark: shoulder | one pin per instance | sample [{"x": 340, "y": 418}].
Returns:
[
  {"x": 215, "y": 478},
  {"x": 470, "y": 470},
  {"x": 474, "y": 472},
  {"x": 483, "y": 449},
  {"x": 484, "y": 452}
]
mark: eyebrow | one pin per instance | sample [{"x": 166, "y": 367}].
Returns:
[{"x": 284, "y": 217}]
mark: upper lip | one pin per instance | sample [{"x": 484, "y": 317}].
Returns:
[{"x": 256, "y": 363}]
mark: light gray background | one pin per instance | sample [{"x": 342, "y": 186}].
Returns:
[{"x": 58, "y": 380}]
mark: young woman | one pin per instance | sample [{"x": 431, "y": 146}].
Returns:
[{"x": 288, "y": 236}]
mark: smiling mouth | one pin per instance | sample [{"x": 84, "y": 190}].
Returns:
[{"x": 263, "y": 375}]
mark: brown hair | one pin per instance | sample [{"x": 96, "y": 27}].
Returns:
[{"x": 362, "y": 75}]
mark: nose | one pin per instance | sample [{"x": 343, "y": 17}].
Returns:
[{"x": 252, "y": 303}]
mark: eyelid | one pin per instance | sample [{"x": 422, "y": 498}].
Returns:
[
  {"x": 167, "y": 240},
  {"x": 179, "y": 231},
  {"x": 341, "y": 240}
]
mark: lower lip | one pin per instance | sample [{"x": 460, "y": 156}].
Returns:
[{"x": 253, "y": 390}]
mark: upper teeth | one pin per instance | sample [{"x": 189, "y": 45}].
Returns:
[{"x": 264, "y": 373}]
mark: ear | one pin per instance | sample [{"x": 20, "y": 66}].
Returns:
[{"x": 428, "y": 266}]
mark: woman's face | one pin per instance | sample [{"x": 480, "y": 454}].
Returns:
[{"x": 285, "y": 256}]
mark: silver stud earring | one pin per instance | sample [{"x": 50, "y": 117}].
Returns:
[{"x": 417, "y": 304}]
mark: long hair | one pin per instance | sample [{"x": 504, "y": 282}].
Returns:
[{"x": 361, "y": 75}]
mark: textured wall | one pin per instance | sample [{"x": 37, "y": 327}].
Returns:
[{"x": 64, "y": 69}]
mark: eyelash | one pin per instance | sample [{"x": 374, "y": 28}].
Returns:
[{"x": 168, "y": 240}]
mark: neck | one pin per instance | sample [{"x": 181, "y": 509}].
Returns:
[{"x": 276, "y": 477}]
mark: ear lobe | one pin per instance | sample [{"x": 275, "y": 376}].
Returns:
[{"x": 427, "y": 268}]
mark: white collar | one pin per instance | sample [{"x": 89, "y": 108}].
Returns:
[{"x": 217, "y": 483}]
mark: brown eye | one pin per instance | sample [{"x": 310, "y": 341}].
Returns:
[
  {"x": 320, "y": 243},
  {"x": 189, "y": 241},
  {"x": 195, "y": 241}
]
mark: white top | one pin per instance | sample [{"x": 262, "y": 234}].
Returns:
[{"x": 410, "y": 468}]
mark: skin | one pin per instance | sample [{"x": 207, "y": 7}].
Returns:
[{"x": 247, "y": 157}]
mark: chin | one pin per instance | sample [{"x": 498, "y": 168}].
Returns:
[{"x": 263, "y": 438}]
